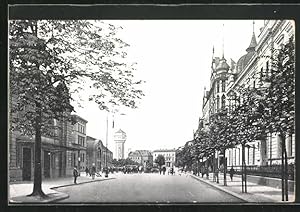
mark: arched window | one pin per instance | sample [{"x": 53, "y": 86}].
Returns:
[
  {"x": 218, "y": 86},
  {"x": 218, "y": 102},
  {"x": 223, "y": 101},
  {"x": 223, "y": 85},
  {"x": 267, "y": 69}
]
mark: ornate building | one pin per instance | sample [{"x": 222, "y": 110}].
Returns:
[
  {"x": 227, "y": 79},
  {"x": 120, "y": 138}
]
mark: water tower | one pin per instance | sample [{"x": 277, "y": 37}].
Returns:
[{"x": 120, "y": 138}]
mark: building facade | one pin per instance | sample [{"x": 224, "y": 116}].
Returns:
[
  {"x": 120, "y": 138},
  {"x": 169, "y": 155},
  {"x": 227, "y": 79},
  {"x": 56, "y": 153},
  {"x": 79, "y": 141},
  {"x": 143, "y": 157},
  {"x": 97, "y": 154}
]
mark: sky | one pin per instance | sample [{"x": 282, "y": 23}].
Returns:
[{"x": 174, "y": 58}]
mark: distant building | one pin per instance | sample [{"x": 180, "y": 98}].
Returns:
[
  {"x": 79, "y": 140},
  {"x": 169, "y": 155},
  {"x": 143, "y": 157},
  {"x": 120, "y": 138},
  {"x": 97, "y": 154}
]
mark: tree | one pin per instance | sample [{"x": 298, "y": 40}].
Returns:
[
  {"x": 50, "y": 61},
  {"x": 160, "y": 160},
  {"x": 123, "y": 162},
  {"x": 280, "y": 101}
]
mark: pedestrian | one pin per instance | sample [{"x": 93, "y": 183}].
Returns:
[
  {"x": 87, "y": 171},
  {"x": 231, "y": 172},
  {"x": 93, "y": 171},
  {"x": 164, "y": 170},
  {"x": 75, "y": 174}
]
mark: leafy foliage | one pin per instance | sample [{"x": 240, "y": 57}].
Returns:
[
  {"x": 160, "y": 160},
  {"x": 255, "y": 112},
  {"x": 51, "y": 60},
  {"x": 123, "y": 162}
]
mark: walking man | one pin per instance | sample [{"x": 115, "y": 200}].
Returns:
[
  {"x": 87, "y": 171},
  {"x": 93, "y": 171},
  {"x": 231, "y": 172},
  {"x": 75, "y": 174}
]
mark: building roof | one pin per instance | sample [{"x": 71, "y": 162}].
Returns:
[
  {"x": 120, "y": 131},
  {"x": 79, "y": 118},
  {"x": 143, "y": 153},
  {"x": 222, "y": 65},
  {"x": 243, "y": 61},
  {"x": 252, "y": 44},
  {"x": 165, "y": 150}
]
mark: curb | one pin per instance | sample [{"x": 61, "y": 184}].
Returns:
[
  {"x": 25, "y": 199},
  {"x": 220, "y": 188},
  {"x": 57, "y": 195},
  {"x": 55, "y": 187}
]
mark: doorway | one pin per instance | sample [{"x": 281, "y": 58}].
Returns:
[
  {"x": 47, "y": 156},
  {"x": 26, "y": 174}
]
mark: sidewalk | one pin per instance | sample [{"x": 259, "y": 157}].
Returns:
[
  {"x": 18, "y": 191},
  {"x": 255, "y": 193}
]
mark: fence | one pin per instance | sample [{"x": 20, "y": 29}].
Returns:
[{"x": 267, "y": 171}]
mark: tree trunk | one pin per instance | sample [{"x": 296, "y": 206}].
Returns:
[
  {"x": 285, "y": 170},
  {"x": 214, "y": 167},
  {"x": 283, "y": 188},
  {"x": 37, "y": 182},
  {"x": 225, "y": 168},
  {"x": 242, "y": 172}
]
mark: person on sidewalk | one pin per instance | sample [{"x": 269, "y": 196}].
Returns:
[
  {"x": 75, "y": 174},
  {"x": 231, "y": 172},
  {"x": 87, "y": 171},
  {"x": 93, "y": 171}
]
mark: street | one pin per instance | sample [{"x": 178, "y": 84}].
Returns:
[{"x": 150, "y": 188}]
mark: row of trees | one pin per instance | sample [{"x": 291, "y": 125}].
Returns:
[
  {"x": 123, "y": 162},
  {"x": 51, "y": 61},
  {"x": 252, "y": 114}
]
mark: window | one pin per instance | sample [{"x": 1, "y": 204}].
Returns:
[
  {"x": 267, "y": 68},
  {"x": 73, "y": 159},
  {"x": 218, "y": 102},
  {"x": 223, "y": 85},
  {"x": 82, "y": 157},
  {"x": 289, "y": 146},
  {"x": 218, "y": 86},
  {"x": 261, "y": 73},
  {"x": 81, "y": 128},
  {"x": 235, "y": 157},
  {"x": 223, "y": 101},
  {"x": 81, "y": 140}
]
